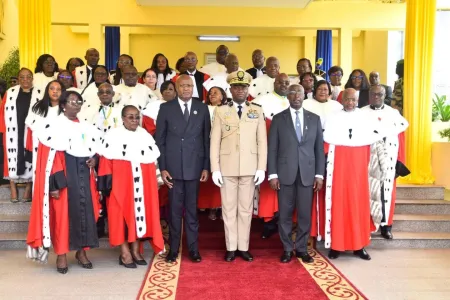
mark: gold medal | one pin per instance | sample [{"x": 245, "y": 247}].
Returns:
[{"x": 105, "y": 123}]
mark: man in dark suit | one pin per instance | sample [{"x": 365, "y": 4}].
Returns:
[
  {"x": 182, "y": 134},
  {"x": 198, "y": 77},
  {"x": 374, "y": 79},
  {"x": 296, "y": 166},
  {"x": 258, "y": 69}
]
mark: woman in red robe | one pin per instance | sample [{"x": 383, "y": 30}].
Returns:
[
  {"x": 127, "y": 173},
  {"x": 65, "y": 214}
]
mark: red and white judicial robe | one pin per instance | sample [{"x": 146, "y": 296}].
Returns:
[
  {"x": 348, "y": 136},
  {"x": 162, "y": 78},
  {"x": 323, "y": 110},
  {"x": 267, "y": 205},
  {"x": 40, "y": 80},
  {"x": 9, "y": 125},
  {"x": 127, "y": 172},
  {"x": 219, "y": 80},
  {"x": 150, "y": 114},
  {"x": 261, "y": 86},
  {"x": 139, "y": 95},
  {"x": 209, "y": 193},
  {"x": 67, "y": 223},
  {"x": 394, "y": 125},
  {"x": 103, "y": 117}
]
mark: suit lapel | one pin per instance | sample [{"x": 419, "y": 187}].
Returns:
[
  {"x": 199, "y": 84},
  {"x": 290, "y": 124},
  {"x": 193, "y": 115},
  {"x": 306, "y": 121}
]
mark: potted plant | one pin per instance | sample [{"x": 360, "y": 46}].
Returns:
[
  {"x": 440, "y": 117},
  {"x": 440, "y": 160}
]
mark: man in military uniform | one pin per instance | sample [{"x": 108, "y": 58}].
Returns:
[{"x": 238, "y": 162}]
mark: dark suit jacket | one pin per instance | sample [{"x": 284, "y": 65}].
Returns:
[
  {"x": 363, "y": 99},
  {"x": 388, "y": 98},
  {"x": 286, "y": 155},
  {"x": 184, "y": 147},
  {"x": 199, "y": 79},
  {"x": 252, "y": 71}
]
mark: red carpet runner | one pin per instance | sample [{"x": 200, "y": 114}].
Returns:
[{"x": 264, "y": 278}]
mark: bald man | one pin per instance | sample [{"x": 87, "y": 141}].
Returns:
[
  {"x": 182, "y": 134},
  {"x": 220, "y": 79},
  {"x": 199, "y": 92},
  {"x": 83, "y": 75},
  {"x": 218, "y": 66},
  {"x": 130, "y": 92},
  {"x": 258, "y": 69},
  {"x": 264, "y": 85}
]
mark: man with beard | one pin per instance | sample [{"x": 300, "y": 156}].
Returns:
[
  {"x": 258, "y": 69},
  {"x": 238, "y": 162}
]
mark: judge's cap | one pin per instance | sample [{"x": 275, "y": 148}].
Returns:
[{"x": 239, "y": 77}]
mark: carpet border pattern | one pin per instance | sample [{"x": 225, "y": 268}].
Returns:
[{"x": 332, "y": 282}]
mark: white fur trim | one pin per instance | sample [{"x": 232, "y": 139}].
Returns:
[
  {"x": 136, "y": 147},
  {"x": 138, "y": 193},
  {"x": 323, "y": 110},
  {"x": 81, "y": 77},
  {"x": 328, "y": 195},
  {"x": 139, "y": 95},
  {"x": 151, "y": 110},
  {"x": 219, "y": 80},
  {"x": 272, "y": 104},
  {"x": 261, "y": 86},
  {"x": 46, "y": 204},
  {"x": 319, "y": 237}
]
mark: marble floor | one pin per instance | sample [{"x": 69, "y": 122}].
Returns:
[{"x": 391, "y": 274}]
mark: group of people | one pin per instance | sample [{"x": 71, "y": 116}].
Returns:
[{"x": 202, "y": 138}]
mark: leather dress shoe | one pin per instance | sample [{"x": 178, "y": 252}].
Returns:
[
  {"x": 230, "y": 256},
  {"x": 286, "y": 257},
  {"x": 268, "y": 232},
  {"x": 171, "y": 257},
  {"x": 333, "y": 254},
  {"x": 306, "y": 258},
  {"x": 194, "y": 256},
  {"x": 246, "y": 255},
  {"x": 362, "y": 254},
  {"x": 386, "y": 232}
]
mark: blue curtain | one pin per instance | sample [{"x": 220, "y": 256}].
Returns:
[
  {"x": 112, "y": 46},
  {"x": 324, "y": 50}
]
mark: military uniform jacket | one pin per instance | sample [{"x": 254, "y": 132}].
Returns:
[{"x": 238, "y": 146}]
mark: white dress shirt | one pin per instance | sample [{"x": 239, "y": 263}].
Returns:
[
  {"x": 294, "y": 117},
  {"x": 189, "y": 104},
  {"x": 195, "y": 91},
  {"x": 259, "y": 72}
]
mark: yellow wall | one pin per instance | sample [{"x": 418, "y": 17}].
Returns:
[
  {"x": 10, "y": 29},
  {"x": 67, "y": 44},
  {"x": 144, "y": 47}
]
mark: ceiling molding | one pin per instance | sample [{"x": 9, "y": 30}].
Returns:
[{"x": 234, "y": 3}]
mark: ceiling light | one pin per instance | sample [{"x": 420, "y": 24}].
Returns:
[{"x": 225, "y": 38}]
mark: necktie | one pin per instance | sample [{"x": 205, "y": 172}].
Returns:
[
  {"x": 298, "y": 126},
  {"x": 239, "y": 111},
  {"x": 186, "y": 113}
]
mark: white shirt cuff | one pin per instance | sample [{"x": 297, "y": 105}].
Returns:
[
  {"x": 273, "y": 176},
  {"x": 319, "y": 176}
]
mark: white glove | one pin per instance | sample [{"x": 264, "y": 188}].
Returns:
[
  {"x": 259, "y": 177},
  {"x": 217, "y": 178}
]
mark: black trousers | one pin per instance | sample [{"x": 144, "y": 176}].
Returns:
[
  {"x": 183, "y": 194},
  {"x": 300, "y": 197}
]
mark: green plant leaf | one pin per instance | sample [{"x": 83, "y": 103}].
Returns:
[{"x": 11, "y": 65}]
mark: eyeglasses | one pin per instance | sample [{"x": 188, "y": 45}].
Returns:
[
  {"x": 26, "y": 77},
  {"x": 100, "y": 74},
  {"x": 107, "y": 92},
  {"x": 65, "y": 77},
  {"x": 133, "y": 118},
  {"x": 185, "y": 86},
  {"x": 377, "y": 94},
  {"x": 336, "y": 74},
  {"x": 190, "y": 59},
  {"x": 75, "y": 102},
  {"x": 357, "y": 77}
]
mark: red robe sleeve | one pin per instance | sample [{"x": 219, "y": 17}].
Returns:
[
  {"x": 401, "y": 148},
  {"x": 339, "y": 98},
  {"x": 326, "y": 147},
  {"x": 74, "y": 79},
  {"x": 174, "y": 79},
  {"x": 205, "y": 92},
  {"x": 104, "y": 176},
  {"x": 149, "y": 125},
  {"x": 29, "y": 141}
]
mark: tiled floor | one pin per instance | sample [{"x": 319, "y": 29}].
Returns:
[{"x": 391, "y": 274}]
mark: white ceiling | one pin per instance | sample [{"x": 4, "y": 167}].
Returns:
[{"x": 234, "y": 3}]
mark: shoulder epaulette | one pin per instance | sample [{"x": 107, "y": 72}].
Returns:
[{"x": 255, "y": 104}]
